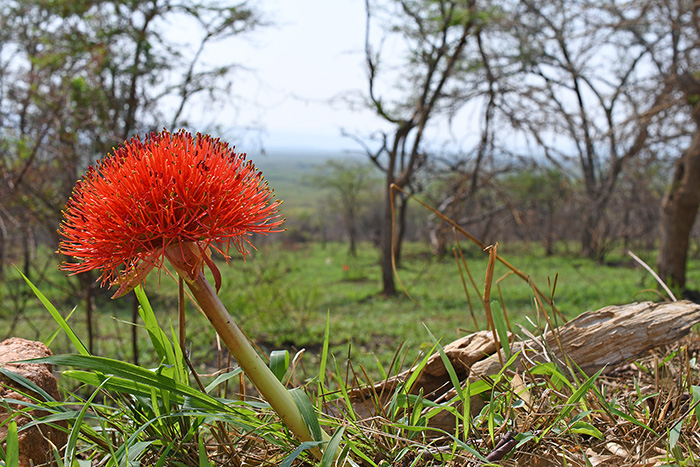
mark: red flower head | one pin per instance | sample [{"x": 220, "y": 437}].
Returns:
[{"x": 173, "y": 197}]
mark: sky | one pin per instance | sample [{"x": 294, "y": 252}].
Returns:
[{"x": 301, "y": 70}]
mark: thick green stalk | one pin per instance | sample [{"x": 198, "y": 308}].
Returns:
[{"x": 271, "y": 389}]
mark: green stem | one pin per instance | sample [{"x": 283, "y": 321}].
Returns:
[{"x": 271, "y": 389}]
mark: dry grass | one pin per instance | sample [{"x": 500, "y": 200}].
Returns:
[{"x": 643, "y": 413}]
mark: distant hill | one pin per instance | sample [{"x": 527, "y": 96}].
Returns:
[{"x": 288, "y": 172}]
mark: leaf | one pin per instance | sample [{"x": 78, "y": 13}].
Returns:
[
  {"x": 164, "y": 455},
  {"x": 203, "y": 458},
  {"x": 279, "y": 362},
  {"x": 133, "y": 373},
  {"x": 418, "y": 369},
  {"x": 287, "y": 462},
  {"x": 114, "y": 383},
  {"x": 499, "y": 321},
  {"x": 584, "y": 428},
  {"x": 521, "y": 391},
  {"x": 12, "y": 446},
  {"x": 49, "y": 340},
  {"x": 454, "y": 379},
  {"x": 135, "y": 450},
  {"x": 307, "y": 412},
  {"x": 79, "y": 346},
  {"x": 222, "y": 378},
  {"x": 159, "y": 339},
  {"x": 619, "y": 413},
  {"x": 329, "y": 454},
  {"x": 696, "y": 402},
  {"x": 675, "y": 433},
  {"x": 69, "y": 456},
  {"x": 550, "y": 369},
  {"x": 324, "y": 355},
  {"x": 572, "y": 401},
  {"x": 23, "y": 381},
  {"x": 344, "y": 392}
]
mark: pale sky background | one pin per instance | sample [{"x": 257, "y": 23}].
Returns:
[{"x": 301, "y": 68}]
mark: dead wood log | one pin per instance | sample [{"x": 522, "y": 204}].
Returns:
[
  {"x": 607, "y": 337},
  {"x": 593, "y": 340}
]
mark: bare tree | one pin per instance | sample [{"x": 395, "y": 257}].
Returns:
[
  {"x": 440, "y": 71},
  {"x": 680, "y": 204},
  {"x": 580, "y": 98},
  {"x": 668, "y": 33}
]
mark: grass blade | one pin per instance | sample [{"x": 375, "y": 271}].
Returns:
[
  {"x": 329, "y": 453},
  {"x": 499, "y": 321},
  {"x": 675, "y": 433},
  {"x": 12, "y": 446},
  {"x": 49, "y": 340},
  {"x": 419, "y": 368},
  {"x": 324, "y": 356},
  {"x": 696, "y": 402},
  {"x": 287, "y": 462},
  {"x": 279, "y": 362},
  {"x": 307, "y": 412},
  {"x": 19, "y": 379},
  {"x": 203, "y": 458},
  {"x": 79, "y": 346},
  {"x": 454, "y": 379},
  {"x": 69, "y": 456},
  {"x": 222, "y": 378},
  {"x": 159, "y": 339},
  {"x": 573, "y": 400},
  {"x": 128, "y": 371}
]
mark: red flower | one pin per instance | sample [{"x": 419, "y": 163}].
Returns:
[{"x": 172, "y": 196}]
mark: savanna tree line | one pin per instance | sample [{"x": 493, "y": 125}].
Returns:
[
  {"x": 543, "y": 120},
  {"x": 603, "y": 96}
]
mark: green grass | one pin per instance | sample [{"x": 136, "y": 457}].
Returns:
[
  {"x": 281, "y": 297},
  {"x": 159, "y": 414}
]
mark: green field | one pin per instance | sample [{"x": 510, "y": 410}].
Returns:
[
  {"x": 284, "y": 293},
  {"x": 282, "y": 297}
]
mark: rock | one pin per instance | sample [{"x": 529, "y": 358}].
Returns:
[{"x": 35, "y": 443}]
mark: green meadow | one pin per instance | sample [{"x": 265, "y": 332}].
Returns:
[
  {"x": 282, "y": 297},
  {"x": 284, "y": 293}
]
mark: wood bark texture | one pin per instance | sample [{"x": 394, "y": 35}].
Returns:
[{"x": 679, "y": 207}]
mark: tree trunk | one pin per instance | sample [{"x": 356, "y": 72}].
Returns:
[
  {"x": 351, "y": 227},
  {"x": 549, "y": 232},
  {"x": 438, "y": 238},
  {"x": 589, "y": 237},
  {"x": 29, "y": 247},
  {"x": 594, "y": 340},
  {"x": 3, "y": 242},
  {"x": 400, "y": 228},
  {"x": 86, "y": 282},
  {"x": 678, "y": 211},
  {"x": 388, "y": 284},
  {"x": 352, "y": 233}
]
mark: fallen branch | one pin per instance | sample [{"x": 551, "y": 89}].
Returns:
[
  {"x": 606, "y": 337},
  {"x": 593, "y": 340}
]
